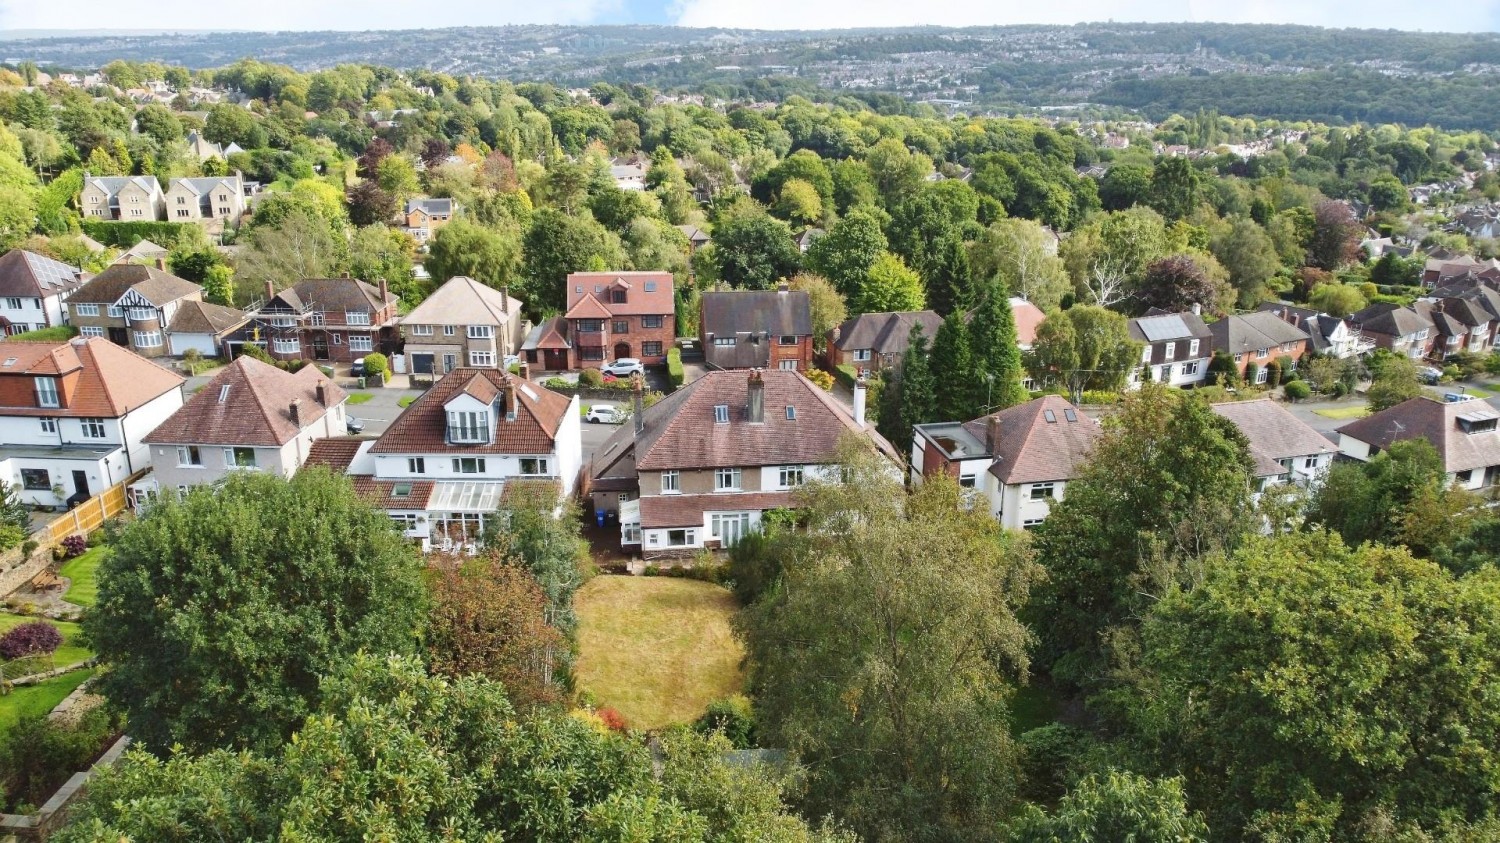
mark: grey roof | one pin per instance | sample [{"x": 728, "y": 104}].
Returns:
[
  {"x": 208, "y": 185},
  {"x": 1391, "y": 319},
  {"x": 144, "y": 249},
  {"x": 1170, "y": 326},
  {"x": 1273, "y": 432},
  {"x": 30, "y": 275},
  {"x": 886, "y": 333},
  {"x": 1319, "y": 326},
  {"x": 431, "y": 206},
  {"x": 156, "y": 286},
  {"x": 769, "y": 312},
  {"x": 112, "y": 184},
  {"x": 1253, "y": 331},
  {"x": 330, "y": 294}
]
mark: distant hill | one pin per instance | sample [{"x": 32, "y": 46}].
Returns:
[{"x": 1290, "y": 72}]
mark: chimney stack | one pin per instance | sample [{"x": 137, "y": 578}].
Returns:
[
  {"x": 270, "y": 290},
  {"x": 783, "y": 287},
  {"x": 991, "y": 435},
  {"x": 505, "y": 299},
  {"x": 859, "y": 402},
  {"x": 161, "y": 263},
  {"x": 509, "y": 397},
  {"x": 385, "y": 292},
  {"x": 524, "y": 370},
  {"x": 638, "y": 402},
  {"x": 295, "y": 411},
  {"x": 755, "y": 398},
  {"x": 321, "y": 390},
  {"x": 1197, "y": 309}
]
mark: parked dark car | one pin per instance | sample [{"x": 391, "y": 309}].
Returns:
[
  {"x": 354, "y": 425},
  {"x": 357, "y": 369}
]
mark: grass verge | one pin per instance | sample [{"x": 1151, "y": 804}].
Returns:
[
  {"x": 1357, "y": 412},
  {"x": 40, "y": 698},
  {"x": 360, "y": 397},
  {"x": 406, "y": 401},
  {"x": 657, "y": 649},
  {"x": 84, "y": 589}
]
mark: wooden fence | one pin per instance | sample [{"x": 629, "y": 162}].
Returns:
[{"x": 82, "y": 519}]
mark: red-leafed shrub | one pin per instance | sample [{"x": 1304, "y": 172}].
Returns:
[
  {"x": 74, "y": 545},
  {"x": 612, "y": 719},
  {"x": 37, "y": 638}
]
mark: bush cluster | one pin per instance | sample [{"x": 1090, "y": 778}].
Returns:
[{"x": 30, "y": 640}]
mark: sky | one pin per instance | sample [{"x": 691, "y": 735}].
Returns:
[{"x": 1431, "y": 15}]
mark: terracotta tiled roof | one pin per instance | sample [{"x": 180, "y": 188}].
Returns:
[
  {"x": 29, "y": 275},
  {"x": 1437, "y": 422},
  {"x": 334, "y": 453},
  {"x": 480, "y": 388},
  {"x": 112, "y": 380},
  {"x": 1028, "y": 318},
  {"x": 1273, "y": 432},
  {"x": 156, "y": 286},
  {"x": 680, "y": 431},
  {"x": 199, "y": 317},
  {"x": 1043, "y": 440},
  {"x": 422, "y": 428},
  {"x": 646, "y": 293},
  {"x": 249, "y": 403},
  {"x": 382, "y": 493},
  {"x": 588, "y": 307},
  {"x": 549, "y": 334},
  {"x": 687, "y": 510}
]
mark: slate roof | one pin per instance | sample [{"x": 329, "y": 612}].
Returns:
[
  {"x": 1319, "y": 326},
  {"x": 694, "y": 234},
  {"x": 1390, "y": 319},
  {"x": 658, "y": 300},
  {"x": 112, "y": 380},
  {"x": 1252, "y": 331},
  {"x": 886, "y": 333},
  {"x": 157, "y": 286},
  {"x": 422, "y": 427},
  {"x": 112, "y": 184},
  {"x": 30, "y": 275},
  {"x": 331, "y": 295},
  {"x": 249, "y": 403},
  {"x": 201, "y": 186},
  {"x": 680, "y": 431},
  {"x": 432, "y": 207},
  {"x": 1273, "y": 432},
  {"x": 1045, "y": 439},
  {"x": 200, "y": 317},
  {"x": 463, "y": 301},
  {"x": 756, "y": 318},
  {"x": 1437, "y": 422},
  {"x": 1165, "y": 327}
]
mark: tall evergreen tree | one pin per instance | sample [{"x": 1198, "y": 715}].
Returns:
[
  {"x": 918, "y": 393},
  {"x": 953, "y": 360},
  {"x": 992, "y": 337},
  {"x": 947, "y": 276}
]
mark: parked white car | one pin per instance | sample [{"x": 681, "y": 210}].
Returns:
[
  {"x": 624, "y": 367},
  {"x": 605, "y": 414}
]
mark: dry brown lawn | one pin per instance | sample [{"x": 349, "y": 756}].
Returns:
[{"x": 657, "y": 649}]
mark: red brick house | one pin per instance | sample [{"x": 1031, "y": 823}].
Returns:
[
  {"x": 1259, "y": 338},
  {"x": 327, "y": 319},
  {"x": 756, "y": 329},
  {"x": 609, "y": 315}
]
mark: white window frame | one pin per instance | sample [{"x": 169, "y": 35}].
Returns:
[
  {"x": 416, "y": 465},
  {"x": 1041, "y": 491},
  {"x": 189, "y": 456},
  {"x": 481, "y": 332},
  {"x": 791, "y": 476},
  {"x": 1171, "y": 348},
  {"x": 861, "y": 355},
  {"x": 85, "y": 309},
  {"x": 481, "y": 359},
  {"x": 461, "y": 465},
  {"x": 90, "y": 331},
  {"x": 539, "y": 466},
  {"x": 232, "y": 454},
  {"x": 1146, "y": 354},
  {"x": 721, "y": 414},
  {"x": 360, "y": 342},
  {"x": 671, "y": 483},
  {"x": 286, "y": 345},
  {"x": 356, "y": 317},
  {"x": 146, "y": 339},
  {"x": 728, "y": 480},
  {"x": 49, "y": 424},
  {"x": 1192, "y": 348},
  {"x": 421, "y": 330},
  {"x": 46, "y": 392},
  {"x": 1190, "y": 368}
]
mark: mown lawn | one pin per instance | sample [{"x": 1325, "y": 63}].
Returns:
[
  {"x": 360, "y": 397},
  {"x": 406, "y": 401},
  {"x": 72, "y": 650},
  {"x": 1354, "y": 412},
  {"x": 39, "y": 698},
  {"x": 657, "y": 649},
  {"x": 80, "y": 569}
]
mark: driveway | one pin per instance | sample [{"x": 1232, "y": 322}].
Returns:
[{"x": 381, "y": 409}]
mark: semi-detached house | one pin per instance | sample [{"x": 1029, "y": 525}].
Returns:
[
  {"x": 131, "y": 305},
  {"x": 1176, "y": 348},
  {"x": 33, "y": 289}
]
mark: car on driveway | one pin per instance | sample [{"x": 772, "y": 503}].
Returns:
[
  {"x": 1430, "y": 374},
  {"x": 354, "y": 426},
  {"x": 605, "y": 414},
  {"x": 624, "y": 367},
  {"x": 357, "y": 368}
]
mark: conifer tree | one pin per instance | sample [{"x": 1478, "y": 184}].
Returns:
[
  {"x": 917, "y": 388},
  {"x": 952, "y": 368},
  {"x": 992, "y": 338}
]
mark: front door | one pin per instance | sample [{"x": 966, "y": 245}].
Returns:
[
  {"x": 81, "y": 483},
  {"x": 320, "y": 346},
  {"x": 622, "y": 350},
  {"x": 119, "y": 336}
]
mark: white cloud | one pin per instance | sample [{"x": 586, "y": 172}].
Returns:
[
  {"x": 1434, "y": 15},
  {"x": 270, "y": 15}
]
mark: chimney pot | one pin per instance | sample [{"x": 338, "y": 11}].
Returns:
[
  {"x": 991, "y": 435},
  {"x": 1197, "y": 309},
  {"x": 161, "y": 263},
  {"x": 295, "y": 411},
  {"x": 755, "y": 398},
  {"x": 525, "y": 370},
  {"x": 859, "y": 402}
]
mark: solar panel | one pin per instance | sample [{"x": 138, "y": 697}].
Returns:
[{"x": 1158, "y": 328}]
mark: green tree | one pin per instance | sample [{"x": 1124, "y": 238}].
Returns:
[
  {"x": 1366, "y": 501},
  {"x": 1115, "y": 807},
  {"x": 1124, "y": 186},
  {"x": 1176, "y": 188},
  {"x": 952, "y": 368},
  {"x": 487, "y": 255},
  {"x": 916, "y": 396},
  {"x": 218, "y": 285},
  {"x": 217, "y": 614},
  {"x": 397, "y": 175},
  {"x": 827, "y": 306},
  {"x": 845, "y": 254},
  {"x": 17, "y": 215},
  {"x": 1016, "y": 252},
  {"x": 1395, "y": 381},
  {"x": 752, "y": 251},
  {"x": 1249, "y": 254},
  {"x": 890, "y": 287},
  {"x": 378, "y": 253},
  {"x": 1166, "y": 484},
  {"x": 1307, "y": 683},
  {"x": 904, "y": 608},
  {"x": 228, "y": 124},
  {"x": 997, "y": 356},
  {"x": 1337, "y": 299},
  {"x": 799, "y": 203},
  {"x": 1083, "y": 348},
  {"x": 557, "y": 244},
  {"x": 298, "y": 245},
  {"x": 1335, "y": 236}
]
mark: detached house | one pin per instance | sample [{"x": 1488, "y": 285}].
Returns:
[
  {"x": 1325, "y": 334},
  {"x": 609, "y": 315},
  {"x": 1018, "y": 460},
  {"x": 871, "y": 342},
  {"x": 449, "y": 462},
  {"x": 192, "y": 200},
  {"x": 73, "y": 416},
  {"x": 1403, "y": 330},
  {"x": 756, "y": 329},
  {"x": 1177, "y": 348},
  {"x": 425, "y": 216},
  {"x": 130, "y": 198},
  {"x": 132, "y": 305},
  {"x": 1285, "y": 449},
  {"x": 1259, "y": 338},
  {"x": 1466, "y": 435},
  {"x": 250, "y": 417},
  {"x": 334, "y": 319},
  {"x": 33, "y": 289},
  {"x": 462, "y": 324},
  {"x": 700, "y": 468}
]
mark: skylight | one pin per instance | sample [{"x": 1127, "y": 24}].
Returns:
[
  {"x": 223, "y": 393},
  {"x": 1050, "y": 416},
  {"x": 1070, "y": 415},
  {"x": 721, "y": 414},
  {"x": 791, "y": 413}
]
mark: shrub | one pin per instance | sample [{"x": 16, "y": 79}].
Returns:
[
  {"x": 1297, "y": 391},
  {"x": 1492, "y": 363},
  {"x": 558, "y": 383},
  {"x": 37, "y": 755},
  {"x": 612, "y": 719},
  {"x": 590, "y": 378},
  {"x": 733, "y": 717},
  {"x": 376, "y": 363},
  {"x": 1452, "y": 373},
  {"x": 1099, "y": 396},
  {"x": 821, "y": 378},
  {"x": 1052, "y": 758},
  {"x": 675, "y": 375},
  {"x": 57, "y": 333},
  {"x": 1273, "y": 374},
  {"x": 28, "y": 547},
  {"x": 1252, "y": 372},
  {"x": 28, "y": 640},
  {"x": 74, "y": 545},
  {"x": 845, "y": 375}
]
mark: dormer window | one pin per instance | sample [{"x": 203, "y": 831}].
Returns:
[
  {"x": 468, "y": 426},
  {"x": 46, "y": 392},
  {"x": 617, "y": 296}
]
